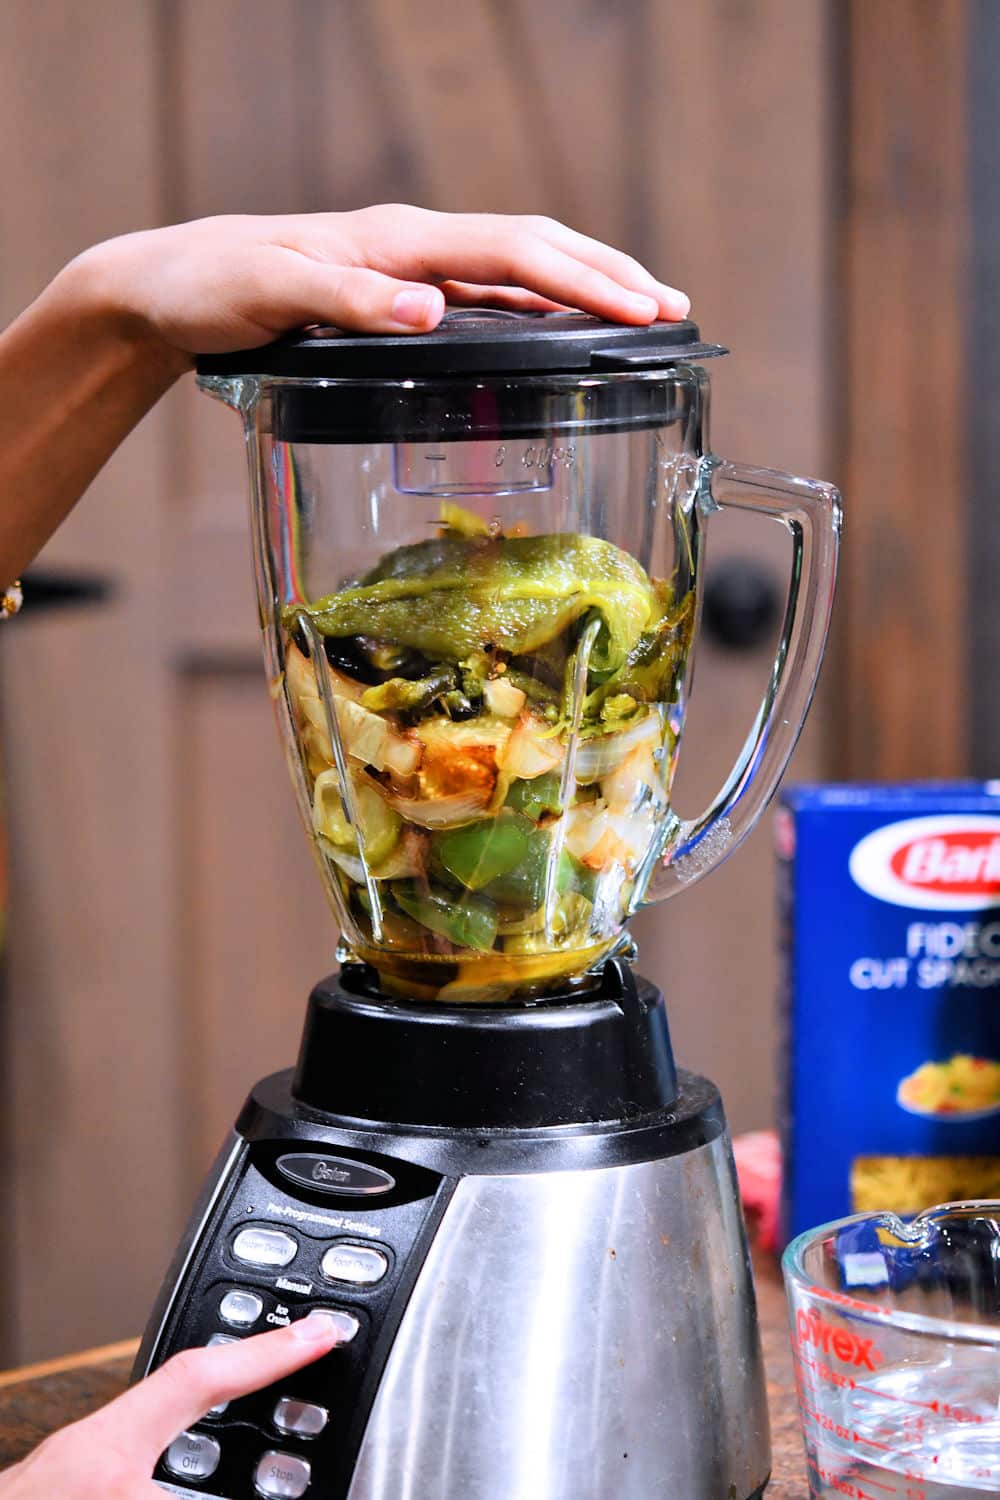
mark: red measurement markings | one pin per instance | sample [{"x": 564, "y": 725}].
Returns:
[
  {"x": 873, "y": 1390},
  {"x": 840, "y": 1381},
  {"x": 870, "y": 1309},
  {"x": 843, "y": 1484},
  {"x": 857, "y": 1437}
]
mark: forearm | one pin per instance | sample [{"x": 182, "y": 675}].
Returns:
[{"x": 76, "y": 375}]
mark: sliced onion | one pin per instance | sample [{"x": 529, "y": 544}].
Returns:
[
  {"x": 632, "y": 780},
  {"x": 635, "y": 831},
  {"x": 503, "y": 698},
  {"x": 441, "y": 812},
  {"x": 596, "y": 757},
  {"x": 531, "y": 750},
  {"x": 406, "y": 862},
  {"x": 585, "y": 827},
  {"x": 349, "y": 863},
  {"x": 372, "y": 740},
  {"x": 459, "y": 761},
  {"x": 442, "y": 737},
  {"x": 302, "y": 682},
  {"x": 600, "y": 838}
]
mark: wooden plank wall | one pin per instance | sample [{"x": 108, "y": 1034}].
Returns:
[
  {"x": 91, "y": 1018},
  {"x": 983, "y": 384},
  {"x": 167, "y": 920},
  {"x": 735, "y": 195},
  {"x": 905, "y": 610}
]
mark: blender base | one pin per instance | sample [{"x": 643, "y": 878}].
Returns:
[{"x": 543, "y": 1312}]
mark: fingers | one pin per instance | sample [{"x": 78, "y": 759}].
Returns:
[
  {"x": 154, "y": 1412},
  {"x": 468, "y": 294},
  {"x": 351, "y": 297},
  {"x": 539, "y": 255},
  {"x": 672, "y": 303}
]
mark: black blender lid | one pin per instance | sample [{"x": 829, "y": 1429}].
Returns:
[{"x": 468, "y": 342}]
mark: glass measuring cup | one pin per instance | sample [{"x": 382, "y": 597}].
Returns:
[{"x": 896, "y": 1340}]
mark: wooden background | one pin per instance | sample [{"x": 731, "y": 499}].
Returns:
[{"x": 166, "y": 920}]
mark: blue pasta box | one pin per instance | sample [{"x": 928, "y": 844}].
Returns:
[{"x": 890, "y": 935}]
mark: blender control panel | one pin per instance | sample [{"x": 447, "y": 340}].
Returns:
[{"x": 297, "y": 1229}]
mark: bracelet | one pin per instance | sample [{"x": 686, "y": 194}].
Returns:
[{"x": 11, "y": 600}]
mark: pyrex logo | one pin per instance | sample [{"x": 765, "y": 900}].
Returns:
[
  {"x": 850, "y": 1348},
  {"x": 950, "y": 862}
]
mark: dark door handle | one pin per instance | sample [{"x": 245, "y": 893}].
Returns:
[
  {"x": 51, "y": 588},
  {"x": 741, "y": 605}
]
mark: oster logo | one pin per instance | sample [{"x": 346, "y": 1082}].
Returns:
[{"x": 950, "y": 862}]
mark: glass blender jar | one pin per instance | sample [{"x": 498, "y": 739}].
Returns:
[{"x": 477, "y": 557}]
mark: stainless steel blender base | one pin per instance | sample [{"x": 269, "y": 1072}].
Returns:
[
  {"x": 578, "y": 1336},
  {"x": 560, "y": 1309}
]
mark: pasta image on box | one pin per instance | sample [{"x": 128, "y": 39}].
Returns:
[{"x": 890, "y": 934}]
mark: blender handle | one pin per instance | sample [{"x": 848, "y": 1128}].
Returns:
[{"x": 811, "y": 512}]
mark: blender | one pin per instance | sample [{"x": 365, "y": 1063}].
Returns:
[{"x": 478, "y": 558}]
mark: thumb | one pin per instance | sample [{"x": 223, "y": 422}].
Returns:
[
  {"x": 356, "y": 298},
  {"x": 150, "y": 1415}
]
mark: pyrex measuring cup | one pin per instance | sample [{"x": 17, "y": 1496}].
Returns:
[{"x": 896, "y": 1341}]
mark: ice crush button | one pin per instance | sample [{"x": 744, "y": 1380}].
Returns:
[
  {"x": 241, "y": 1309},
  {"x": 345, "y": 1323},
  {"x": 300, "y": 1418},
  {"x": 282, "y": 1476},
  {"x": 265, "y": 1247},
  {"x": 194, "y": 1456},
  {"x": 358, "y": 1264}
]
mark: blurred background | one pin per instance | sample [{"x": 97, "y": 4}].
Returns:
[{"x": 820, "y": 175}]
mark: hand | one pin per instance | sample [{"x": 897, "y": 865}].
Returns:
[
  {"x": 110, "y": 1455},
  {"x": 236, "y": 282},
  {"x": 121, "y": 323}
]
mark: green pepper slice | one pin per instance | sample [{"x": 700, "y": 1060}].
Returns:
[
  {"x": 454, "y": 595},
  {"x": 536, "y": 797},
  {"x": 479, "y": 854},
  {"x": 467, "y": 921}
]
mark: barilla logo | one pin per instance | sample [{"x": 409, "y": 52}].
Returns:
[
  {"x": 813, "y": 1332},
  {"x": 950, "y": 862}
]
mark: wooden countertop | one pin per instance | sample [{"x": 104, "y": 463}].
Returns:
[{"x": 37, "y": 1400}]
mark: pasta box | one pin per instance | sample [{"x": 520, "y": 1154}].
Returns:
[{"x": 890, "y": 938}]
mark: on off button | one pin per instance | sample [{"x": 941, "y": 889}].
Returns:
[{"x": 335, "y": 1174}]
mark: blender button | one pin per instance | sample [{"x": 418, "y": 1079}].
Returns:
[
  {"x": 358, "y": 1264},
  {"x": 265, "y": 1247},
  {"x": 347, "y": 1325},
  {"x": 194, "y": 1456},
  {"x": 220, "y": 1338},
  {"x": 300, "y": 1418},
  {"x": 282, "y": 1476},
  {"x": 241, "y": 1309},
  {"x": 218, "y": 1409}
]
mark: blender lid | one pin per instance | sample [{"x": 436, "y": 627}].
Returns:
[{"x": 471, "y": 341}]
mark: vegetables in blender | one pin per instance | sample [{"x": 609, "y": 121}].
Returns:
[{"x": 501, "y": 717}]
